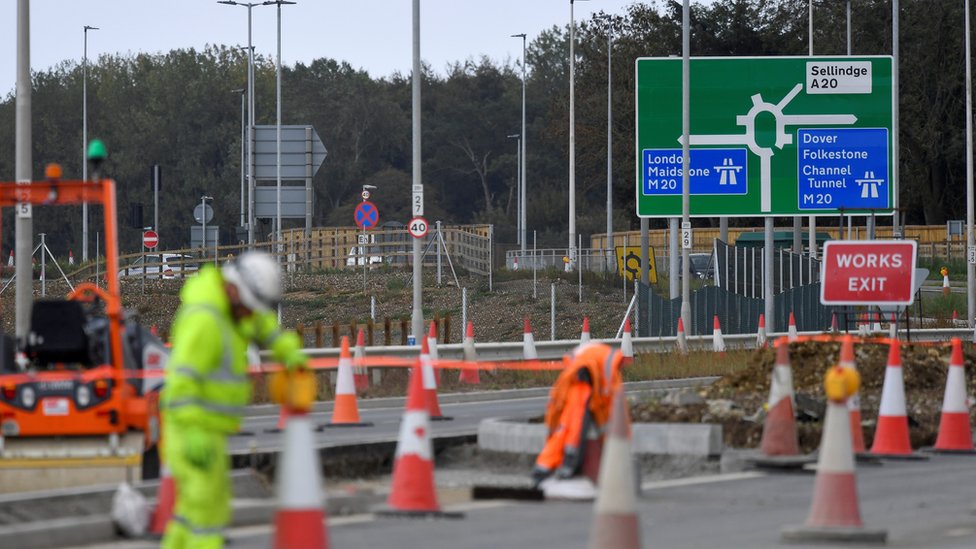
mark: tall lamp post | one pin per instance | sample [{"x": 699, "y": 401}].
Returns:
[
  {"x": 522, "y": 194},
  {"x": 278, "y": 236},
  {"x": 518, "y": 185},
  {"x": 84, "y": 143},
  {"x": 609, "y": 257},
  {"x": 572, "y": 135},
  {"x": 242, "y": 92},
  {"x": 250, "y": 117}
]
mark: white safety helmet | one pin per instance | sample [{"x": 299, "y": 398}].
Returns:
[{"x": 257, "y": 278}]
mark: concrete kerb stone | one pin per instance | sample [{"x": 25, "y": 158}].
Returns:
[{"x": 672, "y": 439}]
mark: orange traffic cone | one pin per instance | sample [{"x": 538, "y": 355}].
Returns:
[
  {"x": 681, "y": 340},
  {"x": 955, "y": 316},
  {"x": 165, "y": 499},
  {"x": 945, "y": 284},
  {"x": 718, "y": 342},
  {"x": 627, "y": 344},
  {"x": 835, "y": 513},
  {"x": 779, "y": 436},
  {"x": 71, "y": 258},
  {"x": 471, "y": 375},
  {"x": 432, "y": 345},
  {"x": 585, "y": 333},
  {"x": 955, "y": 431},
  {"x": 833, "y": 322},
  {"x": 412, "y": 491},
  {"x": 616, "y": 524},
  {"x": 345, "y": 411},
  {"x": 791, "y": 329},
  {"x": 360, "y": 376},
  {"x": 528, "y": 342},
  {"x": 854, "y": 402},
  {"x": 300, "y": 518},
  {"x": 430, "y": 383},
  {"x": 10, "y": 260},
  {"x": 891, "y": 436},
  {"x": 761, "y": 332}
]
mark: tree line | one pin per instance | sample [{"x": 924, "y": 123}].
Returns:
[{"x": 177, "y": 109}]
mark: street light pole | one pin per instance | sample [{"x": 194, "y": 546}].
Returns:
[
  {"x": 417, "y": 198},
  {"x": 203, "y": 221},
  {"x": 518, "y": 185},
  {"x": 685, "y": 162},
  {"x": 279, "y": 233},
  {"x": 523, "y": 232},
  {"x": 970, "y": 267},
  {"x": 24, "y": 224},
  {"x": 84, "y": 143},
  {"x": 241, "y": 91},
  {"x": 572, "y": 136},
  {"x": 250, "y": 117},
  {"x": 609, "y": 257}
]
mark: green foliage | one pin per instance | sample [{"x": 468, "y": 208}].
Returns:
[{"x": 176, "y": 109}]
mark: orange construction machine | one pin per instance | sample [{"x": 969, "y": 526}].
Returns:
[{"x": 81, "y": 393}]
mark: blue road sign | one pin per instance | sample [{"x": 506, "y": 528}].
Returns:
[
  {"x": 713, "y": 171},
  {"x": 842, "y": 168},
  {"x": 367, "y": 215}
]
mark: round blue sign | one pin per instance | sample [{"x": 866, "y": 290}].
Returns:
[{"x": 367, "y": 215}]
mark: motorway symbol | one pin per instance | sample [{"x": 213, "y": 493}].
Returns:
[
  {"x": 367, "y": 215},
  {"x": 418, "y": 227}
]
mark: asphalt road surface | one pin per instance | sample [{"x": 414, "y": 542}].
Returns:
[{"x": 921, "y": 504}]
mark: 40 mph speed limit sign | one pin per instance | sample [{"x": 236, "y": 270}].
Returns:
[{"x": 418, "y": 227}]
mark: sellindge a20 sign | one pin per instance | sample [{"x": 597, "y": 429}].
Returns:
[
  {"x": 868, "y": 272},
  {"x": 769, "y": 136}
]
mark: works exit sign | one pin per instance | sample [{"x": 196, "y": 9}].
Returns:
[
  {"x": 770, "y": 136},
  {"x": 868, "y": 272}
]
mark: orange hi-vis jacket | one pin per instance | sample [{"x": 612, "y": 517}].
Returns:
[{"x": 580, "y": 398}]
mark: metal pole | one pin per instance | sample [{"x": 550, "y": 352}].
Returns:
[
  {"x": 43, "y": 266},
  {"x": 771, "y": 324},
  {"x": 417, "y": 320},
  {"x": 645, "y": 250},
  {"x": 609, "y": 255},
  {"x": 250, "y": 133},
  {"x": 535, "y": 265},
  {"x": 243, "y": 142},
  {"x": 572, "y": 136},
  {"x": 278, "y": 233},
  {"x": 673, "y": 264},
  {"x": 156, "y": 174},
  {"x": 524, "y": 157},
  {"x": 464, "y": 308},
  {"x": 552, "y": 312},
  {"x": 970, "y": 267},
  {"x": 84, "y": 144},
  {"x": 372, "y": 308},
  {"x": 437, "y": 238},
  {"x": 895, "y": 116},
  {"x": 685, "y": 159},
  {"x": 24, "y": 222},
  {"x": 579, "y": 269},
  {"x": 518, "y": 191},
  {"x": 811, "y": 220},
  {"x": 203, "y": 220}
]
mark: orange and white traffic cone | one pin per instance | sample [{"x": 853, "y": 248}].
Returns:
[
  {"x": 835, "y": 513},
  {"x": 955, "y": 316},
  {"x": 71, "y": 258},
  {"x": 616, "y": 524},
  {"x": 515, "y": 264},
  {"x": 300, "y": 519},
  {"x": 891, "y": 437},
  {"x": 779, "y": 436},
  {"x": 627, "y": 344},
  {"x": 165, "y": 499},
  {"x": 528, "y": 342},
  {"x": 430, "y": 383},
  {"x": 791, "y": 329},
  {"x": 718, "y": 342},
  {"x": 10, "y": 260},
  {"x": 955, "y": 431},
  {"x": 585, "y": 333},
  {"x": 893, "y": 327},
  {"x": 412, "y": 490},
  {"x": 432, "y": 346},
  {"x": 360, "y": 374},
  {"x": 470, "y": 376},
  {"x": 681, "y": 340},
  {"x": 833, "y": 323},
  {"x": 761, "y": 332},
  {"x": 946, "y": 288},
  {"x": 854, "y": 402},
  {"x": 345, "y": 411}
]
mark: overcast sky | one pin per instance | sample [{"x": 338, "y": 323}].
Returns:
[{"x": 371, "y": 34}]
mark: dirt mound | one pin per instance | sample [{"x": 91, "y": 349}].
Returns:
[{"x": 736, "y": 401}]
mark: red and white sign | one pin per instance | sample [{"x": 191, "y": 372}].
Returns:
[
  {"x": 418, "y": 227},
  {"x": 868, "y": 272},
  {"x": 150, "y": 239}
]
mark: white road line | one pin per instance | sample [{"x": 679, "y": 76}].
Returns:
[{"x": 707, "y": 479}]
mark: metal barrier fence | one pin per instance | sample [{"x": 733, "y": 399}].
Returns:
[
  {"x": 740, "y": 269},
  {"x": 588, "y": 259}
]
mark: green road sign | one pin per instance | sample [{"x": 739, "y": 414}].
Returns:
[{"x": 777, "y": 136}]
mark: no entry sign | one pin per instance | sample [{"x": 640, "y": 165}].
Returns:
[
  {"x": 868, "y": 272},
  {"x": 150, "y": 239}
]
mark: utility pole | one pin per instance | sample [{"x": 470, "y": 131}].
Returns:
[
  {"x": 417, "y": 203},
  {"x": 84, "y": 143},
  {"x": 24, "y": 239}
]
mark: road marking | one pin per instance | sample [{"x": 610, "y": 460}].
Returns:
[
  {"x": 960, "y": 532},
  {"x": 692, "y": 481}
]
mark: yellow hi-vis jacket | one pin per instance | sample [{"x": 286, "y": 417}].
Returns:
[{"x": 206, "y": 376}]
